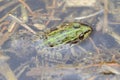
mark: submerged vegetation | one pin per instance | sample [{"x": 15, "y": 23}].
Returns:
[{"x": 57, "y": 39}]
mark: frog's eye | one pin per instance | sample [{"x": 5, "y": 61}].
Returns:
[
  {"x": 76, "y": 25},
  {"x": 81, "y": 36}
]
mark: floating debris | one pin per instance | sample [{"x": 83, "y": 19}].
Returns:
[
  {"x": 80, "y": 3},
  {"x": 39, "y": 26},
  {"x": 22, "y": 23}
]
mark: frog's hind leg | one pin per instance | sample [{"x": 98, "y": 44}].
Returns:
[{"x": 59, "y": 47}]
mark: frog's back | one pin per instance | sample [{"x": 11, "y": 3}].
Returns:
[{"x": 66, "y": 33}]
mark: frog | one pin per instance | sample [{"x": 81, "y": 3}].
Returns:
[{"x": 68, "y": 32}]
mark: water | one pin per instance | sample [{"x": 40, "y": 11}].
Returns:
[{"x": 28, "y": 60}]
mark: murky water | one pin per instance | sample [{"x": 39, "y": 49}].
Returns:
[{"x": 22, "y": 31}]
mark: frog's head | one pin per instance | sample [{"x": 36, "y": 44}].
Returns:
[{"x": 83, "y": 30}]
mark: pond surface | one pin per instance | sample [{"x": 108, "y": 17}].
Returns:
[{"x": 36, "y": 42}]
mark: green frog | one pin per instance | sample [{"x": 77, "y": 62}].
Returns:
[{"x": 71, "y": 32}]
